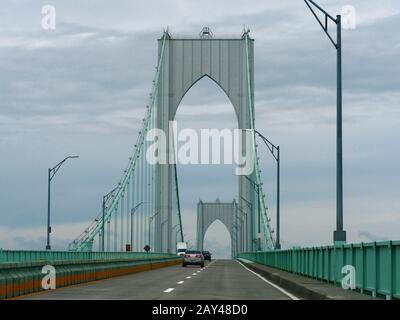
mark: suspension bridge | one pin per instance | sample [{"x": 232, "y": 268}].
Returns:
[{"x": 143, "y": 210}]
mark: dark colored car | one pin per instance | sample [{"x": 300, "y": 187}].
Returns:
[{"x": 207, "y": 255}]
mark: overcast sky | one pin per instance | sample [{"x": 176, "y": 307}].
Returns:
[{"x": 81, "y": 89}]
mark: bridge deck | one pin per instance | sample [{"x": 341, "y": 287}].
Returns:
[{"x": 220, "y": 279}]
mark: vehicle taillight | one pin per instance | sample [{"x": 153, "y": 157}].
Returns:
[
  {"x": 198, "y": 256},
  {"x": 187, "y": 256}
]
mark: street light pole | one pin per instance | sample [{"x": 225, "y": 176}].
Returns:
[
  {"x": 176, "y": 235},
  {"x": 172, "y": 232},
  {"x": 278, "y": 200},
  {"x": 256, "y": 187},
  {"x": 272, "y": 148},
  {"x": 48, "y": 247},
  {"x": 243, "y": 219},
  {"x": 51, "y": 174},
  {"x": 133, "y": 210},
  {"x": 339, "y": 235},
  {"x": 105, "y": 200},
  {"x": 150, "y": 220}
]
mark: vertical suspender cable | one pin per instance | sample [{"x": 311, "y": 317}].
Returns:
[
  {"x": 127, "y": 221},
  {"x": 122, "y": 211},
  {"x": 264, "y": 216},
  {"x": 132, "y": 214},
  {"x": 115, "y": 228},
  {"x": 86, "y": 240},
  {"x": 108, "y": 235},
  {"x": 142, "y": 211},
  {"x": 136, "y": 212}
]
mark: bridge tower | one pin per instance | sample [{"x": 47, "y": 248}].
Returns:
[{"x": 230, "y": 63}]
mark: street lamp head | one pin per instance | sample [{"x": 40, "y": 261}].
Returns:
[{"x": 73, "y": 157}]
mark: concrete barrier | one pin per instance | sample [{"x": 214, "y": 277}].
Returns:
[{"x": 22, "y": 278}]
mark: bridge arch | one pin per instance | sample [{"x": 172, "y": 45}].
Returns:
[
  {"x": 218, "y": 240},
  {"x": 194, "y": 84}
]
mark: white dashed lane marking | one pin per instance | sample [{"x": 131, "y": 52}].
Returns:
[{"x": 188, "y": 277}]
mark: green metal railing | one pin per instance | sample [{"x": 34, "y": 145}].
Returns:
[
  {"x": 377, "y": 264},
  {"x": 29, "y": 256},
  {"x": 21, "y": 272}
]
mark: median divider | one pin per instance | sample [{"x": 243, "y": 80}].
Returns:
[{"x": 23, "y": 277}]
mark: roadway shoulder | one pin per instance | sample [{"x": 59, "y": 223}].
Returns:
[{"x": 303, "y": 287}]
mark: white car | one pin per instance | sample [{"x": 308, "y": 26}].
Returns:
[{"x": 193, "y": 257}]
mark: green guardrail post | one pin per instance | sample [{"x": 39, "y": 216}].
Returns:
[{"x": 390, "y": 270}]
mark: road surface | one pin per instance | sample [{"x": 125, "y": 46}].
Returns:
[{"x": 220, "y": 279}]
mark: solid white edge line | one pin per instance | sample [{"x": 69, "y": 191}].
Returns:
[
  {"x": 180, "y": 282},
  {"x": 168, "y": 290},
  {"x": 210, "y": 263},
  {"x": 291, "y": 296}
]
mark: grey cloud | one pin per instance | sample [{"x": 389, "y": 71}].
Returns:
[
  {"x": 83, "y": 90},
  {"x": 370, "y": 236}
]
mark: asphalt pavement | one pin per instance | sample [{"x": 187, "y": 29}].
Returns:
[{"x": 220, "y": 279}]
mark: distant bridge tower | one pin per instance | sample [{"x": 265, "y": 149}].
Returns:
[{"x": 226, "y": 212}]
